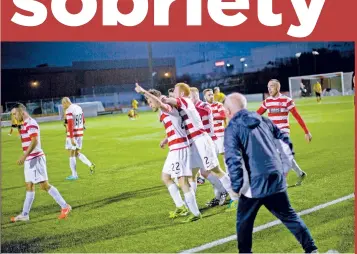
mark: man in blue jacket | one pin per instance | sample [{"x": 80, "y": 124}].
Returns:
[{"x": 250, "y": 146}]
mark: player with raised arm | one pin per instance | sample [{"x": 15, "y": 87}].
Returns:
[
  {"x": 219, "y": 118},
  {"x": 205, "y": 112},
  {"x": 203, "y": 152},
  {"x": 279, "y": 106},
  {"x": 177, "y": 164},
  {"x": 74, "y": 141},
  {"x": 35, "y": 168},
  {"x": 171, "y": 92}
]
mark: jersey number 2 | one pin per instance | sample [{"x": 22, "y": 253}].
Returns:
[{"x": 177, "y": 167}]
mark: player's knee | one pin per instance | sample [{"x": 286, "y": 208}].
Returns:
[
  {"x": 184, "y": 185},
  {"x": 204, "y": 173},
  {"x": 218, "y": 171},
  {"x": 30, "y": 187},
  {"x": 194, "y": 173},
  {"x": 166, "y": 179},
  {"x": 45, "y": 186}
]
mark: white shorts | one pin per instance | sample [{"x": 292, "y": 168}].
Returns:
[
  {"x": 203, "y": 153},
  {"x": 177, "y": 163},
  {"x": 285, "y": 155},
  {"x": 219, "y": 145},
  {"x": 79, "y": 143},
  {"x": 36, "y": 170}
]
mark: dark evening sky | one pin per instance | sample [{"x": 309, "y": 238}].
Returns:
[{"x": 30, "y": 54}]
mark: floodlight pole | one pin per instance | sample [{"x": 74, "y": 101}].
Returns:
[{"x": 151, "y": 78}]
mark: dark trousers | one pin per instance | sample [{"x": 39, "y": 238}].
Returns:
[{"x": 279, "y": 205}]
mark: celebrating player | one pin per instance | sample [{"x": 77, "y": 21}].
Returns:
[
  {"x": 171, "y": 92},
  {"x": 35, "y": 169},
  {"x": 177, "y": 163},
  {"x": 74, "y": 140},
  {"x": 206, "y": 115},
  {"x": 219, "y": 118},
  {"x": 279, "y": 106},
  {"x": 203, "y": 152}
]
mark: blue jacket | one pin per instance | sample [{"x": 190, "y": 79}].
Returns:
[{"x": 249, "y": 143}]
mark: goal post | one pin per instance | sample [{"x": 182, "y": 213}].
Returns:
[
  {"x": 90, "y": 109},
  {"x": 333, "y": 84}
]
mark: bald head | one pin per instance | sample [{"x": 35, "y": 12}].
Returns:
[{"x": 234, "y": 103}]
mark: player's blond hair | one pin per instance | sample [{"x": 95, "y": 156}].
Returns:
[
  {"x": 194, "y": 90},
  {"x": 183, "y": 88},
  {"x": 216, "y": 89},
  {"x": 276, "y": 83},
  {"x": 207, "y": 90},
  {"x": 66, "y": 100}
]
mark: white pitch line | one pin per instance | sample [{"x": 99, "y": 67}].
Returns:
[{"x": 265, "y": 226}]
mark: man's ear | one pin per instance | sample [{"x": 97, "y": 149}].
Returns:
[{"x": 228, "y": 113}]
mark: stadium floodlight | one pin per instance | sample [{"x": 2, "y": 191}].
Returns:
[
  {"x": 298, "y": 54},
  {"x": 242, "y": 60},
  {"x": 35, "y": 84},
  {"x": 245, "y": 65},
  {"x": 315, "y": 53}
]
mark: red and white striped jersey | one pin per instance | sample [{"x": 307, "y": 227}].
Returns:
[
  {"x": 191, "y": 119},
  {"x": 205, "y": 112},
  {"x": 219, "y": 114},
  {"x": 28, "y": 130},
  {"x": 75, "y": 119},
  {"x": 278, "y": 110},
  {"x": 175, "y": 132}
]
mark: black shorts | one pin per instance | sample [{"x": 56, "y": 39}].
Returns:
[
  {"x": 318, "y": 94},
  {"x": 14, "y": 126}
]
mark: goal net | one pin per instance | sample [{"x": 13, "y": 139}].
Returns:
[
  {"x": 332, "y": 84},
  {"x": 90, "y": 109}
]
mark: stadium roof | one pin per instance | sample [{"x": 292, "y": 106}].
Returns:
[{"x": 101, "y": 65}]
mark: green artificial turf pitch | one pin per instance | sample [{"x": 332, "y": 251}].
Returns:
[{"x": 124, "y": 206}]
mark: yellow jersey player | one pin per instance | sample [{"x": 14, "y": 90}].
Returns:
[
  {"x": 318, "y": 91},
  {"x": 218, "y": 96},
  {"x": 132, "y": 114},
  {"x": 14, "y": 123},
  {"x": 134, "y": 105}
]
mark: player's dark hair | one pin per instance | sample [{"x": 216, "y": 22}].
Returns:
[
  {"x": 171, "y": 90},
  {"x": 155, "y": 92},
  {"x": 20, "y": 106},
  {"x": 207, "y": 90}
]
